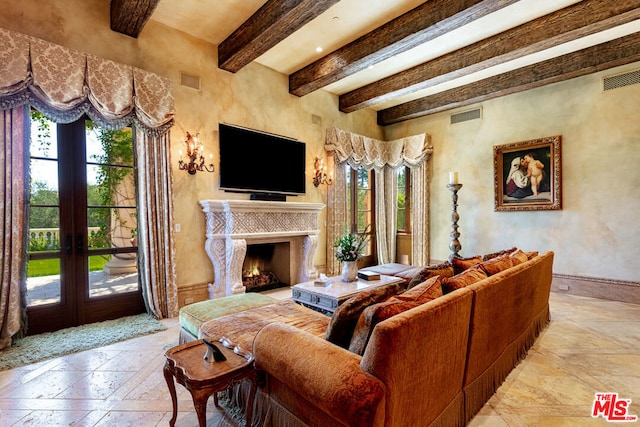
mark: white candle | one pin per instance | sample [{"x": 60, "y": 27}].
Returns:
[{"x": 453, "y": 177}]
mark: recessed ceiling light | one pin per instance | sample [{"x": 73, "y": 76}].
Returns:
[{"x": 319, "y": 49}]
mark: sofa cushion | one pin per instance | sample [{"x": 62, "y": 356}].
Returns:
[
  {"x": 192, "y": 316},
  {"x": 518, "y": 257},
  {"x": 466, "y": 278},
  {"x": 443, "y": 270},
  {"x": 344, "y": 319},
  {"x": 371, "y": 316},
  {"x": 461, "y": 264},
  {"x": 241, "y": 328},
  {"x": 498, "y": 253},
  {"x": 426, "y": 291},
  {"x": 497, "y": 264}
]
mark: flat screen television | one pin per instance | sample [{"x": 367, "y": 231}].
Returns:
[{"x": 268, "y": 166}]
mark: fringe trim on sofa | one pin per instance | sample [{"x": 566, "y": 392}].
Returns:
[
  {"x": 453, "y": 415},
  {"x": 281, "y": 417},
  {"x": 234, "y": 400},
  {"x": 477, "y": 393}
]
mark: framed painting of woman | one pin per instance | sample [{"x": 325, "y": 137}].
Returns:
[{"x": 527, "y": 175}]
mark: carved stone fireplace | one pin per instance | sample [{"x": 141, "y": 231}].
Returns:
[{"x": 234, "y": 224}]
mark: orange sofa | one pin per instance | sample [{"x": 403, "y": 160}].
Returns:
[{"x": 435, "y": 364}]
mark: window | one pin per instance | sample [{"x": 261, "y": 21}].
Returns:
[
  {"x": 404, "y": 200},
  {"x": 360, "y": 208}
]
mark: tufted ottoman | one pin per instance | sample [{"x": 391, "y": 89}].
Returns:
[{"x": 193, "y": 315}]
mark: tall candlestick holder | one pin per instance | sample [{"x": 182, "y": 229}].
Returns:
[{"x": 455, "y": 243}]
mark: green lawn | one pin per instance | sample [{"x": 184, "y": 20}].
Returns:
[{"x": 51, "y": 267}]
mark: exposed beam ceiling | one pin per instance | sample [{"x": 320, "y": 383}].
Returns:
[
  {"x": 428, "y": 55},
  {"x": 130, "y": 16},
  {"x": 568, "y": 24},
  {"x": 590, "y": 60},
  {"x": 426, "y": 22},
  {"x": 271, "y": 24}
]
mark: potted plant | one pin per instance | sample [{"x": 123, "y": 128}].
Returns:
[{"x": 349, "y": 248}]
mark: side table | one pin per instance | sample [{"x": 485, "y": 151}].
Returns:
[{"x": 185, "y": 363}]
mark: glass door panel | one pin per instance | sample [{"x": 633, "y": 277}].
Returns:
[{"x": 82, "y": 263}]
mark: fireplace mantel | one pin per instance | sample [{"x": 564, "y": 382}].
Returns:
[{"x": 233, "y": 223}]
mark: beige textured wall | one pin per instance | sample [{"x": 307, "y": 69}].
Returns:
[
  {"x": 597, "y": 233},
  {"x": 255, "y": 97}
]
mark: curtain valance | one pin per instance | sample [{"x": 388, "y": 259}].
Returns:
[
  {"x": 369, "y": 153},
  {"x": 65, "y": 84}
]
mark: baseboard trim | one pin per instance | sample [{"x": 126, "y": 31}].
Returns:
[{"x": 597, "y": 287}]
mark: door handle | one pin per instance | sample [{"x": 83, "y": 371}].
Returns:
[
  {"x": 67, "y": 244},
  {"x": 79, "y": 244}
]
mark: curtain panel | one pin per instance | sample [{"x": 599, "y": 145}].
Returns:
[
  {"x": 64, "y": 84},
  {"x": 12, "y": 211},
  {"x": 384, "y": 157}
]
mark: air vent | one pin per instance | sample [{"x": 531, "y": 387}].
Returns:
[
  {"x": 466, "y": 116},
  {"x": 190, "y": 81},
  {"x": 621, "y": 80}
]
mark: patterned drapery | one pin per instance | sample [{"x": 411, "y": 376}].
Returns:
[
  {"x": 157, "y": 266},
  {"x": 65, "y": 84},
  {"x": 383, "y": 157},
  {"x": 13, "y": 178}
]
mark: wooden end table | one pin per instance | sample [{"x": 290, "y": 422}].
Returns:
[
  {"x": 326, "y": 299},
  {"x": 185, "y": 363}
]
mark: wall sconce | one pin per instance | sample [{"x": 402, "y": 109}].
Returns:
[
  {"x": 320, "y": 173},
  {"x": 195, "y": 159}
]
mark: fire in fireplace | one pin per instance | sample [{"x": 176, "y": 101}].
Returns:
[{"x": 259, "y": 271}]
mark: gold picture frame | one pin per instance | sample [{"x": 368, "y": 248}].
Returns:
[{"x": 527, "y": 175}]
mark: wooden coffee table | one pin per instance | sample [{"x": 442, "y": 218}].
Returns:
[
  {"x": 327, "y": 299},
  {"x": 185, "y": 363}
]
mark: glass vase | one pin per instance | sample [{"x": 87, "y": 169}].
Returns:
[{"x": 349, "y": 271}]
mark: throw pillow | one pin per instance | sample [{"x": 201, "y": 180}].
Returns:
[
  {"x": 443, "y": 270},
  {"x": 344, "y": 319},
  {"x": 532, "y": 254},
  {"x": 461, "y": 264},
  {"x": 373, "y": 315},
  {"x": 466, "y": 278},
  {"x": 426, "y": 291},
  {"x": 497, "y": 264},
  {"x": 518, "y": 257},
  {"x": 496, "y": 254}
]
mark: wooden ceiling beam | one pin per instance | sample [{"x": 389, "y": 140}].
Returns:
[
  {"x": 432, "y": 19},
  {"x": 130, "y": 16},
  {"x": 601, "y": 57},
  {"x": 571, "y": 23},
  {"x": 271, "y": 24}
]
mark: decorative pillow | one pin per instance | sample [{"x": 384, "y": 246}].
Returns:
[
  {"x": 373, "y": 315},
  {"x": 426, "y": 291},
  {"x": 466, "y": 278},
  {"x": 344, "y": 319},
  {"x": 443, "y": 270},
  {"x": 518, "y": 257},
  {"x": 532, "y": 254},
  {"x": 497, "y": 254},
  {"x": 497, "y": 264},
  {"x": 461, "y": 264}
]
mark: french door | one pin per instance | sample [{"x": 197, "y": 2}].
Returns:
[{"x": 82, "y": 265}]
